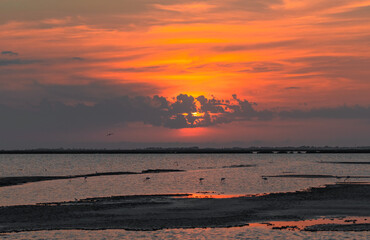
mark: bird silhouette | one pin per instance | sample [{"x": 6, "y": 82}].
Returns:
[
  {"x": 223, "y": 179},
  {"x": 146, "y": 179},
  {"x": 109, "y": 134}
]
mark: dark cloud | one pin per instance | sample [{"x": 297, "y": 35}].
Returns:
[
  {"x": 260, "y": 67},
  {"x": 5, "y": 62},
  {"x": 9, "y": 53},
  {"x": 30, "y": 125},
  {"x": 292, "y": 88},
  {"x": 256, "y": 46},
  {"x": 139, "y": 69},
  {"x": 341, "y": 112},
  {"x": 78, "y": 58},
  {"x": 96, "y": 90},
  {"x": 155, "y": 111}
]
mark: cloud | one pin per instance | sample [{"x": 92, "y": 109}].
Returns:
[
  {"x": 139, "y": 69},
  {"x": 184, "y": 111},
  {"x": 341, "y": 112},
  {"x": 261, "y": 67},
  {"x": 116, "y": 14},
  {"x": 350, "y": 67},
  {"x": 256, "y": 46},
  {"x": 252, "y": 5},
  {"x": 5, "y": 62},
  {"x": 156, "y": 111},
  {"x": 55, "y": 122},
  {"x": 9, "y": 53},
  {"x": 96, "y": 90},
  {"x": 78, "y": 58},
  {"x": 353, "y": 13}
]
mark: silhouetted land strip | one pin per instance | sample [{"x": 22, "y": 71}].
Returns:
[
  {"x": 9, "y": 181},
  {"x": 333, "y": 162},
  {"x": 191, "y": 150},
  {"x": 314, "y": 176},
  {"x": 153, "y": 212},
  {"x": 240, "y": 166},
  {"x": 338, "y": 227}
]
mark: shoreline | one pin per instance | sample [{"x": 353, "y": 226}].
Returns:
[
  {"x": 154, "y": 212},
  {"x": 196, "y": 150}
]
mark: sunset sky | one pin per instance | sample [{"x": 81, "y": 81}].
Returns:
[{"x": 184, "y": 73}]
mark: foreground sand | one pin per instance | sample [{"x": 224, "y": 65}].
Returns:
[{"x": 179, "y": 211}]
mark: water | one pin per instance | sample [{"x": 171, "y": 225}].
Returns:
[
  {"x": 211, "y": 167},
  {"x": 184, "y": 234}
]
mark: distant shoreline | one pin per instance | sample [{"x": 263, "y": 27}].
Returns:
[{"x": 192, "y": 151}]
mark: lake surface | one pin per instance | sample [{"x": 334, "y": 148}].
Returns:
[{"x": 242, "y": 175}]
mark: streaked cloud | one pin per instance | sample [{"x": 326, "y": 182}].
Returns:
[
  {"x": 5, "y": 62},
  {"x": 94, "y": 65},
  {"x": 257, "y": 46},
  {"x": 361, "y": 12},
  {"x": 9, "y": 53}
]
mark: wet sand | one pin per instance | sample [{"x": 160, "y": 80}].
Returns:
[{"x": 176, "y": 211}]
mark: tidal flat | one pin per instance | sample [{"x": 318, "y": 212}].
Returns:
[{"x": 154, "y": 212}]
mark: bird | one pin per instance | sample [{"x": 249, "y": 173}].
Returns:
[
  {"x": 223, "y": 179},
  {"x": 264, "y": 178},
  {"x": 201, "y": 179},
  {"x": 85, "y": 178},
  {"x": 146, "y": 179},
  {"x": 109, "y": 134}
]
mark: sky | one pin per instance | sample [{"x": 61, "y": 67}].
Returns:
[{"x": 165, "y": 73}]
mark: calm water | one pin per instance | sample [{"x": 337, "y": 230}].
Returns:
[
  {"x": 189, "y": 234},
  {"x": 211, "y": 167}
]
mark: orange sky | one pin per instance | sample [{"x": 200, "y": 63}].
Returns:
[{"x": 280, "y": 54}]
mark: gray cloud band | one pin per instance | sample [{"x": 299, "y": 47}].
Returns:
[{"x": 184, "y": 112}]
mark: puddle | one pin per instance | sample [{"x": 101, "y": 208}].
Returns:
[{"x": 301, "y": 225}]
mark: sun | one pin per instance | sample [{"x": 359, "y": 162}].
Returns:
[{"x": 197, "y": 114}]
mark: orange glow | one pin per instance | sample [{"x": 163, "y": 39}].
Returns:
[
  {"x": 207, "y": 49},
  {"x": 192, "y": 132},
  {"x": 218, "y": 196}
]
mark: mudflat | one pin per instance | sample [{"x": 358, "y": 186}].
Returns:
[{"x": 153, "y": 212}]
